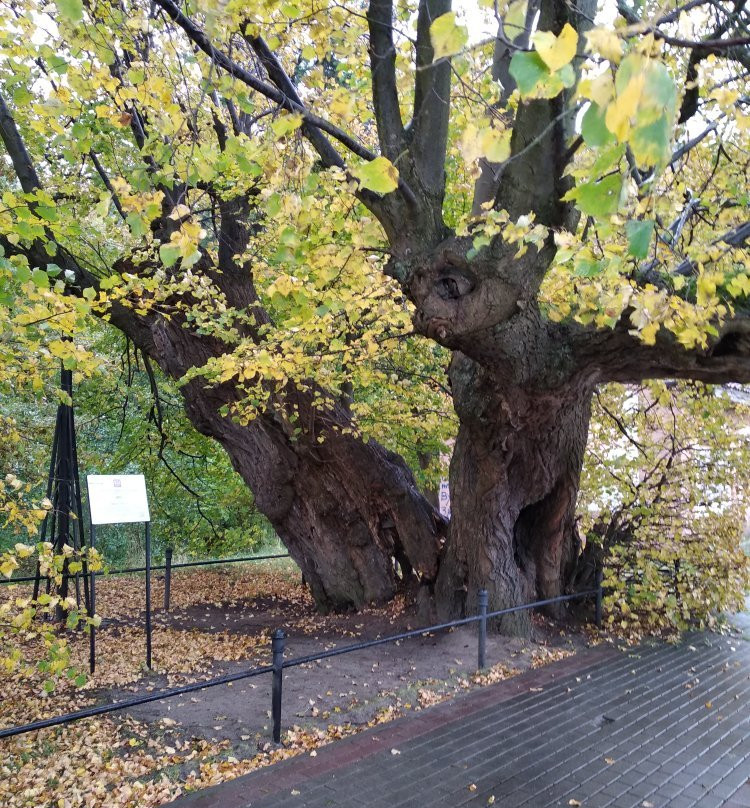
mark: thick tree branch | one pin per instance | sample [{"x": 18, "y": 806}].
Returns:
[
  {"x": 533, "y": 178},
  {"x": 16, "y": 148},
  {"x": 488, "y": 183},
  {"x": 383, "y": 70},
  {"x": 428, "y": 130},
  {"x": 619, "y": 355}
]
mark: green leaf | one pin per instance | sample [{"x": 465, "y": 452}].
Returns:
[
  {"x": 169, "y": 254},
  {"x": 593, "y": 128},
  {"x": 567, "y": 75},
  {"x": 22, "y": 96},
  {"x": 45, "y": 212},
  {"x": 651, "y": 144},
  {"x": 599, "y": 199},
  {"x": 286, "y": 123},
  {"x": 71, "y": 10},
  {"x": 58, "y": 64},
  {"x": 528, "y": 70},
  {"x": 607, "y": 159},
  {"x": 447, "y": 37},
  {"x": 660, "y": 90},
  {"x": 22, "y": 273},
  {"x": 40, "y": 278},
  {"x": 639, "y": 236},
  {"x": 273, "y": 205},
  {"x": 588, "y": 268},
  {"x": 136, "y": 224},
  {"x": 379, "y": 175},
  {"x": 110, "y": 281}
]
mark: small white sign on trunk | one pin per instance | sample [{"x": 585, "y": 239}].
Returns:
[
  {"x": 117, "y": 498},
  {"x": 444, "y": 499}
]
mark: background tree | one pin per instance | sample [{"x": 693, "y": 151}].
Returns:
[
  {"x": 572, "y": 212},
  {"x": 664, "y": 499}
]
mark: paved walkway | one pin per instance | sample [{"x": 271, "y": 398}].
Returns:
[{"x": 660, "y": 727}]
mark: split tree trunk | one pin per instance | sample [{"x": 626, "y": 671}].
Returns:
[{"x": 514, "y": 482}]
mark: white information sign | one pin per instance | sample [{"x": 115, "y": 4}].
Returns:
[
  {"x": 444, "y": 499},
  {"x": 117, "y": 498}
]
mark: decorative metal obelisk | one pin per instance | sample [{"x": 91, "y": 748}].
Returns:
[{"x": 63, "y": 524}]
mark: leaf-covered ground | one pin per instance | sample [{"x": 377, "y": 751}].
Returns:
[{"x": 220, "y": 621}]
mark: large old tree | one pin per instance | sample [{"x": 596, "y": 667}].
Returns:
[{"x": 562, "y": 203}]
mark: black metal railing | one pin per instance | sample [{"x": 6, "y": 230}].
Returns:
[
  {"x": 278, "y": 664},
  {"x": 167, "y": 566}
]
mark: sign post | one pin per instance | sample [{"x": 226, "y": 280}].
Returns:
[{"x": 119, "y": 499}]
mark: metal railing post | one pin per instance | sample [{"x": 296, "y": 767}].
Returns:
[
  {"x": 599, "y": 594},
  {"x": 278, "y": 641},
  {"x": 168, "y": 578},
  {"x": 482, "y": 644},
  {"x": 148, "y": 595}
]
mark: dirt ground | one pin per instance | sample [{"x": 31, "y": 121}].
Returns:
[{"x": 354, "y": 688}]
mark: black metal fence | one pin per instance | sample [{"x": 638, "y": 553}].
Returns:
[
  {"x": 167, "y": 566},
  {"x": 278, "y": 664}
]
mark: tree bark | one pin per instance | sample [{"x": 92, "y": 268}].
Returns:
[{"x": 514, "y": 479}]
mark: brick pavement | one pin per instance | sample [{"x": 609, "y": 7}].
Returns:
[{"x": 662, "y": 726}]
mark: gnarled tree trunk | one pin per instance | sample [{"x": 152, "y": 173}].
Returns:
[
  {"x": 514, "y": 482},
  {"x": 346, "y": 510}
]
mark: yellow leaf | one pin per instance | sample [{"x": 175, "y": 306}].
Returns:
[
  {"x": 599, "y": 90},
  {"x": 495, "y": 144},
  {"x": 705, "y": 288},
  {"x": 556, "y": 51},
  {"x": 447, "y": 37},
  {"x": 605, "y": 42},
  {"x": 648, "y": 333},
  {"x": 739, "y": 285},
  {"x": 624, "y": 107},
  {"x": 379, "y": 175}
]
